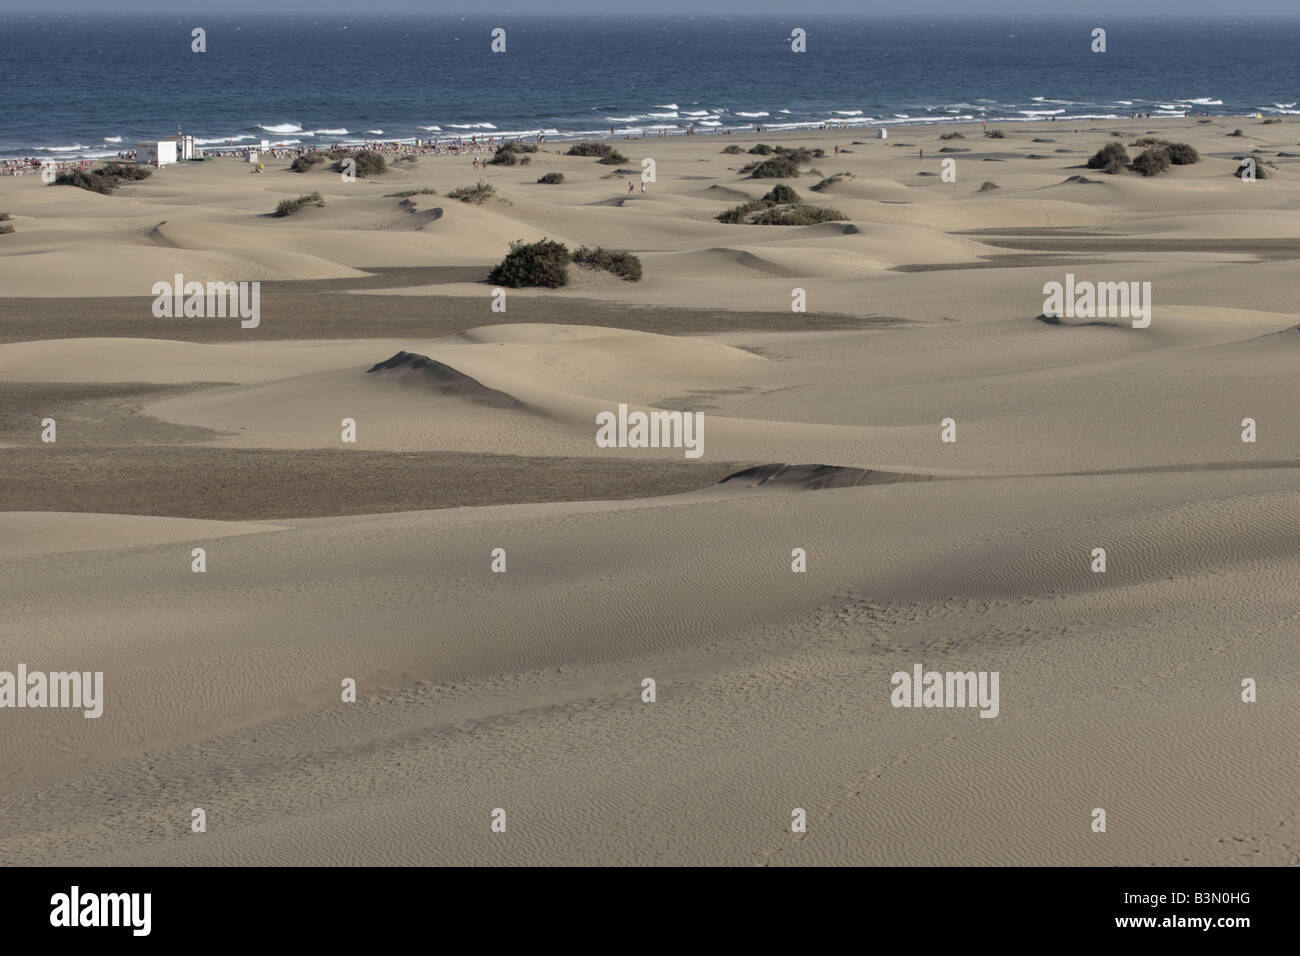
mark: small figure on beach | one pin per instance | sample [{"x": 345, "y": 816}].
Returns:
[{"x": 629, "y": 188}]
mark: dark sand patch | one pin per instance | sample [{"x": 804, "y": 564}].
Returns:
[
  {"x": 268, "y": 484},
  {"x": 96, "y": 413},
  {"x": 297, "y": 313}
]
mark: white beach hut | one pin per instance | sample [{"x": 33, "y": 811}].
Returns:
[{"x": 156, "y": 152}]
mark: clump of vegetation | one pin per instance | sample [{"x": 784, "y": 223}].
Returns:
[
  {"x": 93, "y": 182},
  {"x": 607, "y": 155},
  {"x": 367, "y": 163},
  {"x": 1152, "y": 161},
  {"x": 1236, "y": 132},
  {"x": 306, "y": 161},
  {"x": 411, "y": 192},
  {"x": 1112, "y": 158},
  {"x": 1269, "y": 121},
  {"x": 995, "y": 134},
  {"x": 478, "y": 194},
  {"x": 952, "y": 136},
  {"x": 544, "y": 263},
  {"x": 800, "y": 154},
  {"x": 1180, "y": 154},
  {"x": 762, "y": 149},
  {"x": 988, "y": 186},
  {"x": 509, "y": 154},
  {"x": 5, "y": 229},
  {"x": 829, "y": 181},
  {"x": 618, "y": 261},
  {"x": 288, "y": 207},
  {"x": 590, "y": 149},
  {"x": 1261, "y": 168},
  {"x": 732, "y": 150},
  {"x": 778, "y": 167},
  {"x": 781, "y": 206},
  {"x": 104, "y": 180},
  {"x": 552, "y": 179},
  {"x": 125, "y": 174}
]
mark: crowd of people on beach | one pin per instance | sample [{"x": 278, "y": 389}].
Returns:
[{"x": 34, "y": 164}]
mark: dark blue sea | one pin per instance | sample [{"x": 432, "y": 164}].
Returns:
[{"x": 88, "y": 85}]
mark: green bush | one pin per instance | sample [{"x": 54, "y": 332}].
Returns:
[
  {"x": 988, "y": 186},
  {"x": 5, "y": 229},
  {"x": 781, "y": 193},
  {"x": 829, "y": 181},
  {"x": 952, "y": 136},
  {"x": 590, "y": 149},
  {"x": 614, "y": 158},
  {"x": 552, "y": 179},
  {"x": 618, "y": 261},
  {"x": 508, "y": 154},
  {"x": 781, "y": 206},
  {"x": 798, "y": 214},
  {"x": 778, "y": 167},
  {"x": 1182, "y": 154},
  {"x": 93, "y": 182},
  {"x": 544, "y": 263},
  {"x": 1236, "y": 132},
  {"x": 288, "y": 207},
  {"x": 306, "y": 161},
  {"x": 129, "y": 174},
  {"x": 995, "y": 134},
  {"x": 411, "y": 192},
  {"x": 762, "y": 149},
  {"x": 1261, "y": 172},
  {"x": 478, "y": 194},
  {"x": 368, "y": 163},
  {"x": 1152, "y": 161},
  {"x": 732, "y": 149},
  {"x": 1112, "y": 157},
  {"x": 104, "y": 180}
]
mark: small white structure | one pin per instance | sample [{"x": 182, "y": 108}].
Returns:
[
  {"x": 156, "y": 152},
  {"x": 253, "y": 157},
  {"x": 884, "y": 133},
  {"x": 187, "y": 148}
]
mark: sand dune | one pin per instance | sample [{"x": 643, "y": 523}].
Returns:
[{"x": 827, "y": 536}]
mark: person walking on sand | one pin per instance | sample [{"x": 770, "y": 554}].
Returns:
[
  {"x": 643, "y": 187},
  {"x": 921, "y": 150},
  {"x": 629, "y": 188}
]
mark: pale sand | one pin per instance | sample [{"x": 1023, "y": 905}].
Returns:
[{"x": 522, "y": 690}]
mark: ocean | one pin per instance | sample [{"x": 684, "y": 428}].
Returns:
[{"x": 89, "y": 85}]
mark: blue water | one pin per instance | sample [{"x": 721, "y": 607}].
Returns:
[{"x": 88, "y": 85}]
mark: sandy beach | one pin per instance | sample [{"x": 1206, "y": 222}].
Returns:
[{"x": 372, "y": 561}]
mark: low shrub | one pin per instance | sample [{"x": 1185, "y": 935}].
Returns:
[
  {"x": 306, "y": 161},
  {"x": 288, "y": 207},
  {"x": 1152, "y": 161},
  {"x": 478, "y": 194},
  {"x": 543, "y": 264},
  {"x": 778, "y": 167},
  {"x": 552, "y": 179},
  {"x": 1112, "y": 158},
  {"x": 995, "y": 134},
  {"x": 620, "y": 262},
  {"x": 367, "y": 163},
  {"x": 732, "y": 150}
]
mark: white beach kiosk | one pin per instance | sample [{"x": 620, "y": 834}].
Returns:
[{"x": 156, "y": 152}]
